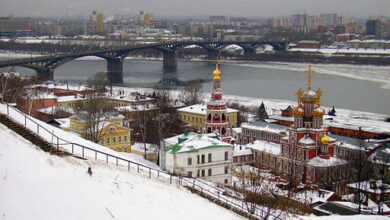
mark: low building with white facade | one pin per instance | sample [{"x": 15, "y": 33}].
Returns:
[{"x": 203, "y": 156}]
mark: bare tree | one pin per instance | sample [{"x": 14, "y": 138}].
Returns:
[
  {"x": 13, "y": 87},
  {"x": 191, "y": 94},
  {"x": 98, "y": 82},
  {"x": 94, "y": 111},
  {"x": 263, "y": 196}
]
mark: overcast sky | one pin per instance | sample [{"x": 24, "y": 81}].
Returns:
[{"x": 258, "y": 8}]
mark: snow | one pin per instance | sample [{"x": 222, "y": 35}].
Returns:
[
  {"x": 306, "y": 140},
  {"x": 68, "y": 98},
  {"x": 321, "y": 162},
  {"x": 345, "y": 217},
  {"x": 201, "y": 109},
  {"x": 267, "y": 127},
  {"x": 37, "y": 185},
  {"x": 265, "y": 146},
  {"x": 242, "y": 152},
  {"x": 372, "y": 73},
  {"x": 193, "y": 141}
]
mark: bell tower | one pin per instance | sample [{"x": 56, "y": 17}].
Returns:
[{"x": 216, "y": 113}]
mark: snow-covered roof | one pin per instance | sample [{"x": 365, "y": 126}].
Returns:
[
  {"x": 353, "y": 143},
  {"x": 306, "y": 140},
  {"x": 354, "y": 123},
  {"x": 54, "y": 109},
  {"x": 243, "y": 151},
  {"x": 72, "y": 87},
  {"x": 237, "y": 130},
  {"x": 69, "y": 98},
  {"x": 321, "y": 162},
  {"x": 264, "y": 126},
  {"x": 192, "y": 142},
  {"x": 265, "y": 146},
  {"x": 373, "y": 186},
  {"x": 139, "y": 107},
  {"x": 201, "y": 109},
  {"x": 381, "y": 155}
]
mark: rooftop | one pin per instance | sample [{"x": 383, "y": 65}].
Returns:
[
  {"x": 321, "y": 162},
  {"x": 201, "y": 109},
  {"x": 265, "y": 146},
  {"x": 193, "y": 142},
  {"x": 264, "y": 126}
]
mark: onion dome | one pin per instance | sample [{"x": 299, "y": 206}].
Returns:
[
  {"x": 324, "y": 140},
  {"x": 318, "y": 112},
  {"x": 309, "y": 96},
  {"x": 217, "y": 72},
  {"x": 298, "y": 112}
]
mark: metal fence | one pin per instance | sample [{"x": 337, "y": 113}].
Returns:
[{"x": 85, "y": 152}]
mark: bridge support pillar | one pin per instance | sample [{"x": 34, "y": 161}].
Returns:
[
  {"x": 115, "y": 71},
  {"x": 212, "y": 54},
  {"x": 169, "y": 60},
  {"x": 45, "y": 74},
  {"x": 249, "y": 52}
]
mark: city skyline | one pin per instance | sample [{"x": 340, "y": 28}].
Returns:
[{"x": 244, "y": 8}]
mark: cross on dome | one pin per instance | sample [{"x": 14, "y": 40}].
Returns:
[{"x": 309, "y": 72}]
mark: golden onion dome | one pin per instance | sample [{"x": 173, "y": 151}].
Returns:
[
  {"x": 217, "y": 72},
  {"x": 324, "y": 139},
  {"x": 298, "y": 112}
]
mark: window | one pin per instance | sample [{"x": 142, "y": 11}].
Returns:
[
  {"x": 189, "y": 174},
  {"x": 108, "y": 140},
  {"x": 203, "y": 158},
  {"x": 114, "y": 140},
  {"x": 210, "y": 158},
  {"x": 102, "y": 141},
  {"x": 189, "y": 161},
  {"x": 120, "y": 149},
  {"x": 120, "y": 139},
  {"x": 210, "y": 172},
  {"x": 226, "y": 170},
  {"x": 125, "y": 138},
  {"x": 203, "y": 173},
  {"x": 125, "y": 149},
  {"x": 198, "y": 174},
  {"x": 226, "y": 181},
  {"x": 198, "y": 161},
  {"x": 226, "y": 155}
]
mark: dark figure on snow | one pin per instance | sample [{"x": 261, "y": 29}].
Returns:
[{"x": 89, "y": 171}]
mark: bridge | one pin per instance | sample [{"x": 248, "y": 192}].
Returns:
[{"x": 45, "y": 65}]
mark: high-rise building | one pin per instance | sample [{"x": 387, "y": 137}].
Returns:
[
  {"x": 147, "y": 19},
  {"x": 99, "y": 23},
  {"x": 373, "y": 27},
  {"x": 15, "y": 26}
]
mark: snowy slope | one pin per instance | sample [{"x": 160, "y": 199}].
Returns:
[{"x": 35, "y": 185}]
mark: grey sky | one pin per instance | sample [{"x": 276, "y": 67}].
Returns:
[{"x": 262, "y": 8}]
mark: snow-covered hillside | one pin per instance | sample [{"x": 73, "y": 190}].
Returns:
[{"x": 36, "y": 185}]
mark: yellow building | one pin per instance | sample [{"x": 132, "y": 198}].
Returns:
[
  {"x": 195, "y": 115},
  {"x": 110, "y": 131},
  {"x": 99, "y": 23},
  {"x": 147, "y": 19}
]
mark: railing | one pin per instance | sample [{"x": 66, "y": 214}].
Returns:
[{"x": 87, "y": 152}]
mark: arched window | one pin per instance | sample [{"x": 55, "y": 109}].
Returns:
[
  {"x": 209, "y": 130},
  {"x": 223, "y": 117},
  {"x": 209, "y": 117},
  {"x": 223, "y": 131}
]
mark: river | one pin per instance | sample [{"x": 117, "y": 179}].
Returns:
[{"x": 363, "y": 88}]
